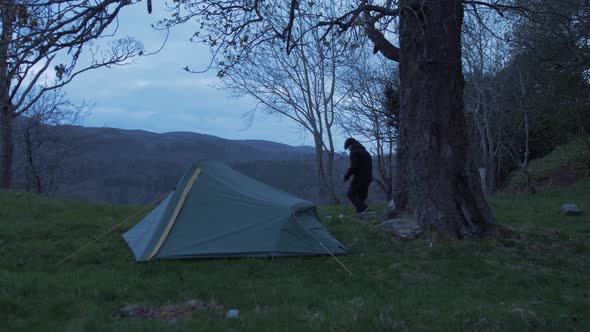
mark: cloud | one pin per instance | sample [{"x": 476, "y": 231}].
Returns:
[{"x": 155, "y": 94}]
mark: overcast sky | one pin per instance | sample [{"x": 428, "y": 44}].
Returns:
[{"x": 155, "y": 94}]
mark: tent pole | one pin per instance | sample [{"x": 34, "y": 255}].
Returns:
[{"x": 172, "y": 220}]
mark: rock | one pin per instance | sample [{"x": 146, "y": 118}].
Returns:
[
  {"x": 405, "y": 228},
  {"x": 131, "y": 311},
  {"x": 570, "y": 209},
  {"x": 391, "y": 205},
  {"x": 194, "y": 303},
  {"x": 232, "y": 313}
]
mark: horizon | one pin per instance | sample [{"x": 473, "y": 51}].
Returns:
[{"x": 336, "y": 150}]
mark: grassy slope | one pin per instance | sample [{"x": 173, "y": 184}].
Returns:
[
  {"x": 538, "y": 282},
  {"x": 571, "y": 158}
]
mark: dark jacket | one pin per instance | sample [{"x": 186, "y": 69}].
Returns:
[{"x": 361, "y": 165}]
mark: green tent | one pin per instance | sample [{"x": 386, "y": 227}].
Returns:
[{"x": 215, "y": 211}]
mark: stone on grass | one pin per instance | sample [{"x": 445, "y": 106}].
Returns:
[
  {"x": 570, "y": 209},
  {"x": 232, "y": 313},
  {"x": 405, "y": 228}
]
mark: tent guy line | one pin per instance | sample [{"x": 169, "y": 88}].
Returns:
[
  {"x": 112, "y": 229},
  {"x": 323, "y": 245}
]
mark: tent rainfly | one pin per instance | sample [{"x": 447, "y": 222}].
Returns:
[{"x": 215, "y": 211}]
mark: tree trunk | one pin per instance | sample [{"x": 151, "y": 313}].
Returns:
[
  {"x": 492, "y": 175},
  {"x": 384, "y": 168},
  {"x": 483, "y": 177},
  {"x": 527, "y": 180},
  {"x": 492, "y": 148},
  {"x": 32, "y": 147},
  {"x": 387, "y": 189},
  {"x": 319, "y": 156},
  {"x": 6, "y": 111},
  {"x": 436, "y": 178},
  {"x": 6, "y": 146},
  {"x": 330, "y": 170}
]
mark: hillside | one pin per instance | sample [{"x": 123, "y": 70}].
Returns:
[
  {"x": 133, "y": 166},
  {"x": 563, "y": 166}
]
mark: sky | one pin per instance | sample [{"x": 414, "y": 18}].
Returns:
[{"x": 155, "y": 94}]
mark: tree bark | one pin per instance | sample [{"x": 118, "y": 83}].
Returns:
[
  {"x": 6, "y": 146},
  {"x": 319, "y": 156},
  {"x": 32, "y": 146},
  {"x": 436, "y": 178},
  {"x": 330, "y": 170},
  {"x": 6, "y": 109},
  {"x": 527, "y": 180}
]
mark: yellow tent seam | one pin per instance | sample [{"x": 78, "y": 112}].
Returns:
[{"x": 185, "y": 192}]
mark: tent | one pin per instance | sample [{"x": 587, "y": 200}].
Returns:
[{"x": 215, "y": 211}]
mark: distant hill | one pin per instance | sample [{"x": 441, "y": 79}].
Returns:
[
  {"x": 180, "y": 145},
  {"x": 278, "y": 147},
  {"x": 134, "y": 166}
]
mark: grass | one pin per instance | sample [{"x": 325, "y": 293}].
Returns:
[{"x": 540, "y": 281}]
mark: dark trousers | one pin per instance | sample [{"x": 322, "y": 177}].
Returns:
[{"x": 357, "y": 194}]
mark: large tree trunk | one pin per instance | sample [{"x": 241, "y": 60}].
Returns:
[
  {"x": 6, "y": 109},
  {"x": 436, "y": 178}
]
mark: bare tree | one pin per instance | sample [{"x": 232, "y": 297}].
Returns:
[
  {"x": 485, "y": 54},
  {"x": 43, "y": 147},
  {"x": 301, "y": 86},
  {"x": 371, "y": 91},
  {"x": 45, "y": 38},
  {"x": 518, "y": 128}
]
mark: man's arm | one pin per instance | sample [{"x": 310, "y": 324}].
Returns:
[{"x": 354, "y": 165}]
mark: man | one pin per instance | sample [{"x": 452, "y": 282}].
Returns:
[{"x": 361, "y": 168}]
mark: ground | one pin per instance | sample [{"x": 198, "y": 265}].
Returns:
[{"x": 538, "y": 281}]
